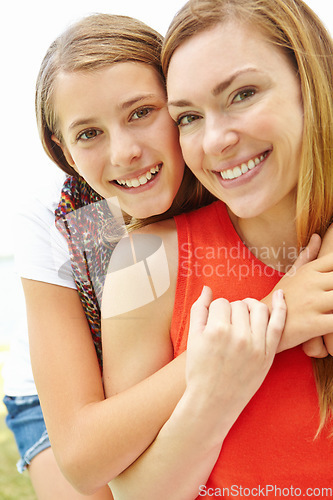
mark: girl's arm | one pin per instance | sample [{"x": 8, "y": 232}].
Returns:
[
  {"x": 116, "y": 430},
  {"x": 93, "y": 439},
  {"x": 230, "y": 350}
]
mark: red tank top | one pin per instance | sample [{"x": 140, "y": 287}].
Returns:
[{"x": 270, "y": 450}]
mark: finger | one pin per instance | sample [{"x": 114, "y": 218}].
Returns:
[
  {"x": 327, "y": 243},
  {"x": 324, "y": 326},
  {"x": 309, "y": 253},
  {"x": 325, "y": 282},
  {"x": 199, "y": 310},
  {"x": 276, "y": 322},
  {"x": 324, "y": 264},
  {"x": 240, "y": 316},
  {"x": 323, "y": 299},
  {"x": 219, "y": 316},
  {"x": 259, "y": 316},
  {"x": 328, "y": 341},
  {"x": 315, "y": 348}
]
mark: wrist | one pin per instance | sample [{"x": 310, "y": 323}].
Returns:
[{"x": 200, "y": 417}]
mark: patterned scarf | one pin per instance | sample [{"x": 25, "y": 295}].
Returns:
[{"x": 82, "y": 217}]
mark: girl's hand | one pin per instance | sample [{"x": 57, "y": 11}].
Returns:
[
  {"x": 325, "y": 249},
  {"x": 230, "y": 349},
  {"x": 314, "y": 347},
  {"x": 308, "y": 289},
  {"x": 320, "y": 347}
]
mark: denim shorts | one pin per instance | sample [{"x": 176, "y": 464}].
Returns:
[{"x": 25, "y": 419}]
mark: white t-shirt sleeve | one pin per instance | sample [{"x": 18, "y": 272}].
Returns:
[
  {"x": 41, "y": 254},
  {"x": 41, "y": 251}
]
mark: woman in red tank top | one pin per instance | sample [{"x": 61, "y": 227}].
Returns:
[{"x": 250, "y": 87}]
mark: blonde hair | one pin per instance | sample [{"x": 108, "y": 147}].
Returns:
[{"x": 293, "y": 26}]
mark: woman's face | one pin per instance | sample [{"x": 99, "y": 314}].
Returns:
[
  {"x": 237, "y": 101},
  {"x": 118, "y": 135}
]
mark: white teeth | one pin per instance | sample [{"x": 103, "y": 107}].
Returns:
[
  {"x": 237, "y": 172},
  {"x": 139, "y": 181},
  {"x": 143, "y": 180},
  {"x": 242, "y": 169}
]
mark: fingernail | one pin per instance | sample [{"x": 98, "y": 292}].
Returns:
[{"x": 279, "y": 294}]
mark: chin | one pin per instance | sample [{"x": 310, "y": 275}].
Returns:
[
  {"x": 143, "y": 214},
  {"x": 152, "y": 210}
]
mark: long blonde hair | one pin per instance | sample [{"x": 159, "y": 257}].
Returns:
[
  {"x": 96, "y": 42},
  {"x": 293, "y": 26}
]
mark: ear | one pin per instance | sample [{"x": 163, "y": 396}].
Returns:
[{"x": 65, "y": 151}]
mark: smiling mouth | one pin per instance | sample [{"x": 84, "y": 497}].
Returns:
[
  {"x": 234, "y": 173},
  {"x": 141, "y": 180}
]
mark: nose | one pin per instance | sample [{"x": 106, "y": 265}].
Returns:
[
  {"x": 125, "y": 148},
  {"x": 219, "y": 135}
]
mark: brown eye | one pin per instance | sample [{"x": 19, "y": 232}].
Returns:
[
  {"x": 141, "y": 113},
  {"x": 89, "y": 134},
  {"x": 243, "y": 95},
  {"x": 186, "y": 120}
]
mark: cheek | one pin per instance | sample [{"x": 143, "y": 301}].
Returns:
[
  {"x": 167, "y": 143},
  {"x": 192, "y": 152},
  {"x": 261, "y": 122},
  {"x": 84, "y": 160},
  {"x": 283, "y": 120},
  {"x": 168, "y": 134},
  {"x": 287, "y": 131}
]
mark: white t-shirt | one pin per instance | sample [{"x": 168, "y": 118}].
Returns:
[{"x": 41, "y": 254}]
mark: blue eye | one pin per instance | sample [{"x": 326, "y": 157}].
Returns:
[
  {"x": 244, "y": 94},
  {"x": 88, "y": 134}
]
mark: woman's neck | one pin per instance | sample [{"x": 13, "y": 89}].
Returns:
[{"x": 271, "y": 237}]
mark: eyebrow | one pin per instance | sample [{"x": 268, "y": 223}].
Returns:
[
  {"x": 137, "y": 99},
  {"x": 125, "y": 105},
  {"x": 217, "y": 90},
  {"x": 79, "y": 123}
]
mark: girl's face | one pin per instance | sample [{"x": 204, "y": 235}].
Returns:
[
  {"x": 118, "y": 135},
  {"x": 237, "y": 101}
]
